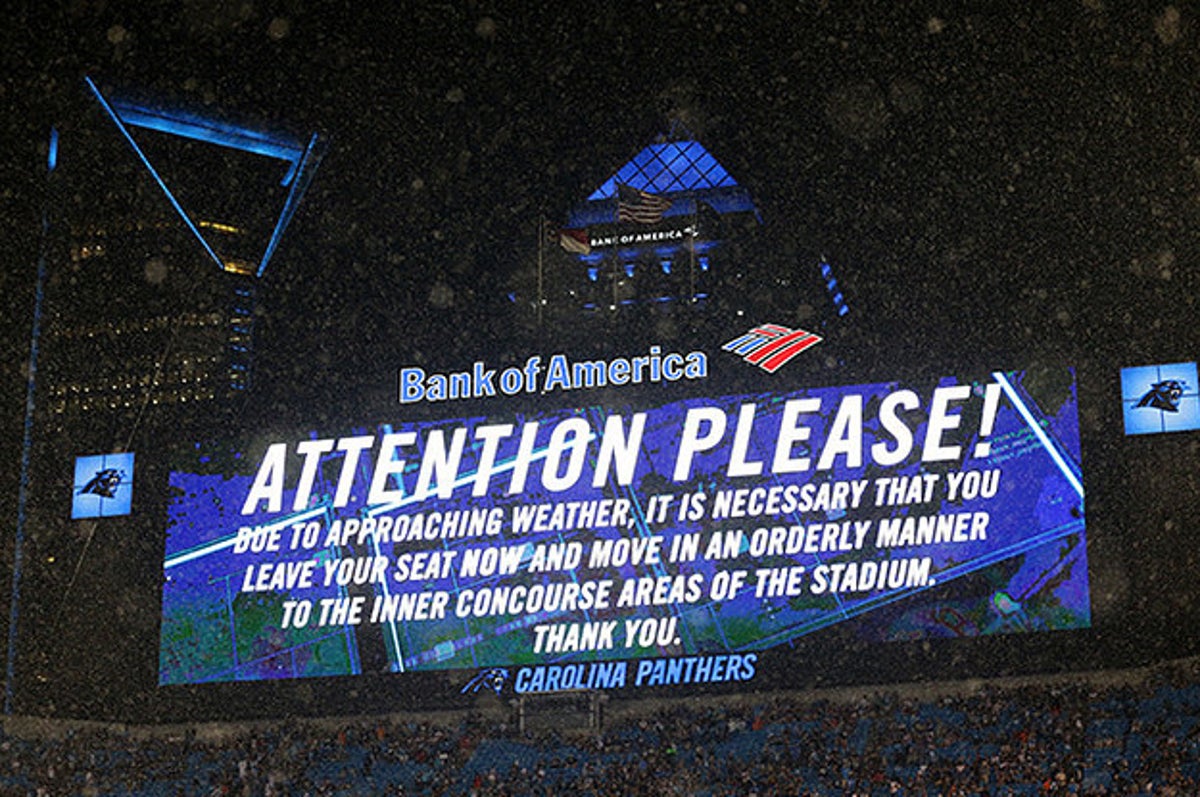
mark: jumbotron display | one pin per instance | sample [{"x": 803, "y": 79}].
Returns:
[{"x": 630, "y": 545}]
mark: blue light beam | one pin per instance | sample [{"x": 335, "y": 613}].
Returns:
[{"x": 153, "y": 172}]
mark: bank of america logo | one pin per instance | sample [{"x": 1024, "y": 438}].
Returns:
[{"x": 771, "y": 346}]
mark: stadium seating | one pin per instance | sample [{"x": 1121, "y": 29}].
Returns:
[{"x": 1049, "y": 740}]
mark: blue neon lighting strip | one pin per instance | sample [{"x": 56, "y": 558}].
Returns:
[
  {"x": 306, "y": 168},
  {"x": 1067, "y": 471},
  {"x": 52, "y": 154},
  {"x": 212, "y": 132},
  {"x": 302, "y": 158},
  {"x": 153, "y": 172}
]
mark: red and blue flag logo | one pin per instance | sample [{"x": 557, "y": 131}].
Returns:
[{"x": 771, "y": 346}]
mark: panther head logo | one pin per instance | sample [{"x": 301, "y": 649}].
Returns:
[
  {"x": 1164, "y": 395},
  {"x": 104, "y": 483},
  {"x": 492, "y": 678}
]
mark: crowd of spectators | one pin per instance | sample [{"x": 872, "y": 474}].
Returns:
[{"x": 1062, "y": 738}]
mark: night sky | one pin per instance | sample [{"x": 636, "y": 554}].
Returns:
[{"x": 994, "y": 189}]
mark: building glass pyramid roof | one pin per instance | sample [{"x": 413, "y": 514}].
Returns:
[{"x": 668, "y": 168}]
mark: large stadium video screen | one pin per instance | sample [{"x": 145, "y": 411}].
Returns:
[{"x": 630, "y": 544}]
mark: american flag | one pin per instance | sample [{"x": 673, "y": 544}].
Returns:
[
  {"x": 638, "y": 206},
  {"x": 574, "y": 241}
]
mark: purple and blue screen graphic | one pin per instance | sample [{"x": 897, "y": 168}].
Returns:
[
  {"x": 1160, "y": 398},
  {"x": 103, "y": 485},
  {"x": 706, "y": 525}
]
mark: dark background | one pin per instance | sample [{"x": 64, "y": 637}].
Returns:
[{"x": 994, "y": 190}]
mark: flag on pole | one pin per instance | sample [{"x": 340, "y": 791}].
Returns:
[
  {"x": 638, "y": 206},
  {"x": 575, "y": 241}
]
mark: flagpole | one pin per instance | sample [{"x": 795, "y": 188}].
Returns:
[
  {"x": 614, "y": 259},
  {"x": 692, "y": 249},
  {"x": 541, "y": 292}
]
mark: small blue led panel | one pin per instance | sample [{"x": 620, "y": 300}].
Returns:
[
  {"x": 1160, "y": 398},
  {"x": 103, "y": 486}
]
